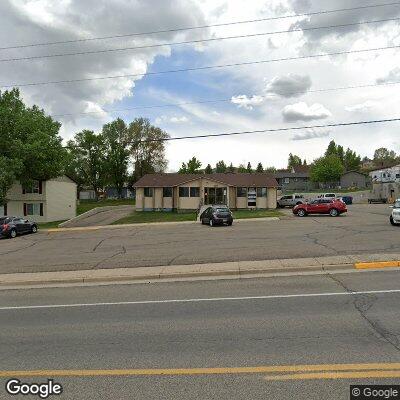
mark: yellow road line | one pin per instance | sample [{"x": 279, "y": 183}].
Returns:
[
  {"x": 378, "y": 264},
  {"x": 336, "y": 375},
  {"x": 206, "y": 371}
]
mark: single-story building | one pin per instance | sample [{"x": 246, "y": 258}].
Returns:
[
  {"x": 184, "y": 192},
  {"x": 354, "y": 179},
  {"x": 111, "y": 192},
  {"x": 43, "y": 201},
  {"x": 295, "y": 179}
]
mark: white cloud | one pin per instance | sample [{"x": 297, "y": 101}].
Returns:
[
  {"x": 248, "y": 103},
  {"x": 311, "y": 134},
  {"x": 392, "y": 76},
  {"x": 173, "y": 119},
  {"x": 302, "y": 112},
  {"x": 291, "y": 85},
  {"x": 362, "y": 107}
]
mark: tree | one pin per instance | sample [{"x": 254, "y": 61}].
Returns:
[
  {"x": 383, "y": 156},
  {"x": 115, "y": 135},
  {"x": 147, "y": 147},
  {"x": 208, "y": 169},
  {"x": 249, "y": 169},
  {"x": 221, "y": 166},
  {"x": 30, "y": 145},
  {"x": 294, "y": 161},
  {"x": 231, "y": 168},
  {"x": 270, "y": 170},
  {"x": 192, "y": 167},
  {"x": 88, "y": 151},
  {"x": 259, "y": 168},
  {"x": 332, "y": 149},
  {"x": 351, "y": 161},
  {"x": 242, "y": 168},
  {"x": 326, "y": 169}
]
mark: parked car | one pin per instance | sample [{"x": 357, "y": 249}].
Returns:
[
  {"x": 321, "y": 206},
  {"x": 327, "y": 196},
  {"x": 13, "y": 226},
  {"x": 290, "y": 200},
  {"x": 346, "y": 199},
  {"x": 217, "y": 215},
  {"x": 376, "y": 200},
  {"x": 395, "y": 215}
]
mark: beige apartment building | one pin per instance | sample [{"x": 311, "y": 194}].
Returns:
[
  {"x": 43, "y": 201},
  {"x": 184, "y": 192}
]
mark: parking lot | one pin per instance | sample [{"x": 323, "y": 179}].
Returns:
[{"x": 364, "y": 229}]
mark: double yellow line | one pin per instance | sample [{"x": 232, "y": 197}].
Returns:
[{"x": 274, "y": 373}]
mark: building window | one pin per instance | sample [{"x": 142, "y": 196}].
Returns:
[
  {"x": 33, "y": 188},
  {"x": 241, "y": 192},
  {"x": 33, "y": 209},
  {"x": 167, "y": 192},
  {"x": 148, "y": 192},
  {"x": 184, "y": 192},
  {"x": 262, "y": 192},
  {"x": 287, "y": 180},
  {"x": 194, "y": 192}
]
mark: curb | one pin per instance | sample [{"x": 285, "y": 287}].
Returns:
[{"x": 379, "y": 264}]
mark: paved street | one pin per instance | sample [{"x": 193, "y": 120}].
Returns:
[
  {"x": 332, "y": 327},
  {"x": 365, "y": 229}
]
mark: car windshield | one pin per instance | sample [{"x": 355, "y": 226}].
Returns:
[{"x": 396, "y": 204}]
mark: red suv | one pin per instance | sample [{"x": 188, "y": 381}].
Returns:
[{"x": 321, "y": 206}]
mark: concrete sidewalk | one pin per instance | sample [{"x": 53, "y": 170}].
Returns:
[{"x": 211, "y": 270}]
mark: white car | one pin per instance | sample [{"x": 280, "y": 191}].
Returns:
[
  {"x": 329, "y": 196},
  {"x": 395, "y": 216}
]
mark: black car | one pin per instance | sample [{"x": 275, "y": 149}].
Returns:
[
  {"x": 13, "y": 226},
  {"x": 217, "y": 215}
]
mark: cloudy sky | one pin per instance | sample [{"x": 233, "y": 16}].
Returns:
[{"x": 250, "y": 97}]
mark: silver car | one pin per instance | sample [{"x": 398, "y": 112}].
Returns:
[
  {"x": 395, "y": 215},
  {"x": 291, "y": 200}
]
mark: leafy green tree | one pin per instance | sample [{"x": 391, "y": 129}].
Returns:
[
  {"x": 351, "y": 161},
  {"x": 327, "y": 169},
  {"x": 249, "y": 169},
  {"x": 116, "y": 139},
  {"x": 270, "y": 170},
  {"x": 191, "y": 167},
  {"x": 294, "y": 161},
  {"x": 221, "y": 167},
  {"x": 383, "y": 156},
  {"x": 147, "y": 147},
  {"x": 89, "y": 153},
  {"x": 231, "y": 168},
  {"x": 332, "y": 149},
  {"x": 340, "y": 153},
  {"x": 242, "y": 168},
  {"x": 259, "y": 168},
  {"x": 208, "y": 169},
  {"x": 30, "y": 145}
]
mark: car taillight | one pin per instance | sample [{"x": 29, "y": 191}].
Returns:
[{"x": 5, "y": 227}]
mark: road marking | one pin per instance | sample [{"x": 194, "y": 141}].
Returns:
[
  {"x": 377, "y": 264},
  {"x": 215, "y": 299},
  {"x": 333, "y": 369},
  {"x": 336, "y": 375}
]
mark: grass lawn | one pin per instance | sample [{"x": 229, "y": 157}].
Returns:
[
  {"x": 49, "y": 225},
  {"x": 159, "y": 216},
  {"x": 86, "y": 205}
]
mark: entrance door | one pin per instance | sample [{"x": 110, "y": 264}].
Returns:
[{"x": 215, "y": 195}]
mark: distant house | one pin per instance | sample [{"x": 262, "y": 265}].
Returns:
[
  {"x": 87, "y": 194},
  {"x": 112, "y": 193},
  {"x": 354, "y": 179},
  {"x": 386, "y": 174},
  {"x": 295, "y": 179},
  {"x": 183, "y": 192},
  {"x": 43, "y": 201}
]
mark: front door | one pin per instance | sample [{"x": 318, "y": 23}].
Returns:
[{"x": 215, "y": 195}]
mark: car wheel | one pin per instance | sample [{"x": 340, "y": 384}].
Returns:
[
  {"x": 34, "y": 229},
  {"x": 392, "y": 221},
  {"x": 301, "y": 212},
  {"x": 333, "y": 212},
  {"x": 230, "y": 223},
  {"x": 211, "y": 222},
  {"x": 13, "y": 233}
]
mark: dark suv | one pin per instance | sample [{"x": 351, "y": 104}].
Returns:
[
  {"x": 13, "y": 226},
  {"x": 217, "y": 215}
]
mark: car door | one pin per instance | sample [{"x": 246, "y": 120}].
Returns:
[
  {"x": 324, "y": 206},
  {"x": 206, "y": 217},
  {"x": 313, "y": 207},
  {"x": 19, "y": 225}
]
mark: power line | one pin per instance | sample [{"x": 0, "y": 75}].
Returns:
[
  {"x": 198, "y": 27},
  {"x": 377, "y": 121},
  {"x": 225, "y": 99},
  {"x": 208, "y": 67},
  {"x": 150, "y": 46}
]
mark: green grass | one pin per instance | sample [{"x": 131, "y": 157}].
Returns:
[
  {"x": 49, "y": 225},
  {"x": 160, "y": 216},
  {"x": 87, "y": 205}
]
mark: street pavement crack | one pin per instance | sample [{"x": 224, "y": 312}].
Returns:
[{"x": 363, "y": 303}]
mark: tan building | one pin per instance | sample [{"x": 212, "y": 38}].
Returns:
[
  {"x": 43, "y": 201},
  {"x": 184, "y": 192}
]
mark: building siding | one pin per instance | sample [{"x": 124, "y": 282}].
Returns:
[{"x": 61, "y": 194}]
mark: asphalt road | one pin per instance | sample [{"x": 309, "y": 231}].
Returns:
[
  {"x": 365, "y": 229},
  {"x": 232, "y": 329}
]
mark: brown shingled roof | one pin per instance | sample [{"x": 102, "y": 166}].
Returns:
[{"x": 230, "y": 179}]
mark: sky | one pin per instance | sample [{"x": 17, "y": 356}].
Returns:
[{"x": 251, "y": 97}]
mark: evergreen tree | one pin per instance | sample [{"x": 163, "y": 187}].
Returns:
[
  {"x": 259, "y": 168},
  {"x": 249, "y": 169},
  {"x": 208, "y": 169}
]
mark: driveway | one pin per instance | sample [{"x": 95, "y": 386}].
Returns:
[{"x": 365, "y": 229}]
